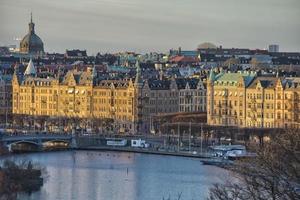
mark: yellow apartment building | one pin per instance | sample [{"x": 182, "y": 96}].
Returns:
[
  {"x": 75, "y": 95},
  {"x": 246, "y": 100}
]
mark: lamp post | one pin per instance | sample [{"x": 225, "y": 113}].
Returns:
[
  {"x": 190, "y": 136},
  {"x": 201, "y": 139},
  {"x": 6, "y": 115},
  {"x": 178, "y": 136}
]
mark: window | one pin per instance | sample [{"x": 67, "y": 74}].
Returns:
[
  {"x": 278, "y": 116},
  {"x": 278, "y": 96},
  {"x": 249, "y": 105},
  {"x": 278, "y": 106},
  {"x": 258, "y": 96}
]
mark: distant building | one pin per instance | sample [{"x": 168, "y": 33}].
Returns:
[
  {"x": 192, "y": 95},
  {"x": 207, "y": 45},
  {"x": 4, "y": 50},
  {"x": 184, "y": 60},
  {"x": 76, "y": 53},
  {"x": 273, "y": 48},
  {"x": 32, "y": 43},
  {"x": 5, "y": 96},
  {"x": 286, "y": 58}
]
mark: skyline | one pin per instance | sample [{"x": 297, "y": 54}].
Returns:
[{"x": 143, "y": 26}]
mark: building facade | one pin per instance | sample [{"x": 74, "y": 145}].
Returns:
[
  {"x": 192, "y": 95},
  {"x": 115, "y": 99},
  {"x": 5, "y": 97},
  {"x": 247, "y": 100},
  {"x": 130, "y": 104},
  {"x": 75, "y": 95}
]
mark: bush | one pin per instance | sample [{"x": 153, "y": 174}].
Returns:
[{"x": 16, "y": 177}]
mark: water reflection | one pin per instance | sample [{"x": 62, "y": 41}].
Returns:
[{"x": 93, "y": 175}]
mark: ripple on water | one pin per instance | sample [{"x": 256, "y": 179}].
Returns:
[{"x": 94, "y": 175}]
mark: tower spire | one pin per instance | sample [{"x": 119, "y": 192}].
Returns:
[
  {"x": 31, "y": 24},
  {"x": 30, "y": 70},
  {"x": 94, "y": 72},
  {"x": 211, "y": 75},
  {"x": 138, "y": 78}
]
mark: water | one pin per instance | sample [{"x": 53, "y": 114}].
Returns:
[{"x": 94, "y": 175}]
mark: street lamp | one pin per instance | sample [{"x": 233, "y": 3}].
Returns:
[
  {"x": 190, "y": 129},
  {"x": 178, "y": 136}
]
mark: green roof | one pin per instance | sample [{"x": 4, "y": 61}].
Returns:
[{"x": 234, "y": 77}]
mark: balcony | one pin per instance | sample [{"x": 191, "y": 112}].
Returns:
[
  {"x": 224, "y": 104},
  {"x": 218, "y": 106},
  {"x": 188, "y": 96}
]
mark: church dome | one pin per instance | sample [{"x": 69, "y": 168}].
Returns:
[
  {"x": 31, "y": 43},
  {"x": 207, "y": 45}
]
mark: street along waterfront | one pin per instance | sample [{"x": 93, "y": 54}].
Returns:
[{"x": 97, "y": 175}]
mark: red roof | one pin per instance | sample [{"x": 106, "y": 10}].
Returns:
[{"x": 184, "y": 59}]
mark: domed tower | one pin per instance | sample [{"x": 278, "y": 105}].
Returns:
[{"x": 32, "y": 43}]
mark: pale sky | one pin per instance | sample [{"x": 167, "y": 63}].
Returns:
[{"x": 153, "y": 25}]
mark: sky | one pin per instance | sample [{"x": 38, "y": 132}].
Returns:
[{"x": 152, "y": 25}]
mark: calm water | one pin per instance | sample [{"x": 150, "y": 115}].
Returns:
[{"x": 92, "y": 175}]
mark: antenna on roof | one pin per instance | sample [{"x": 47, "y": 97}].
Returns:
[{"x": 31, "y": 17}]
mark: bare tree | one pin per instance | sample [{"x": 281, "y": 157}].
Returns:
[
  {"x": 274, "y": 174},
  {"x": 20, "y": 176}
]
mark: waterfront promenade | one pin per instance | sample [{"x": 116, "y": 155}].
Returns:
[
  {"x": 45, "y": 142},
  {"x": 147, "y": 151}
]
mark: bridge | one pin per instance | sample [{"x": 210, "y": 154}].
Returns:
[{"x": 37, "y": 142}]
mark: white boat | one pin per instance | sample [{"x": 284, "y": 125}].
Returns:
[
  {"x": 231, "y": 152},
  {"x": 116, "y": 142},
  {"x": 221, "y": 150}
]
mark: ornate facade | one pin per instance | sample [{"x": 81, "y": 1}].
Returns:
[
  {"x": 80, "y": 94},
  {"x": 245, "y": 100},
  {"x": 160, "y": 96},
  {"x": 192, "y": 95},
  {"x": 76, "y": 95}
]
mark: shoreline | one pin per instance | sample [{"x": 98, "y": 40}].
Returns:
[
  {"x": 118, "y": 149},
  {"x": 137, "y": 150}
]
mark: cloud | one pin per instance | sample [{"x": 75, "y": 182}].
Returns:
[{"x": 156, "y": 24}]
